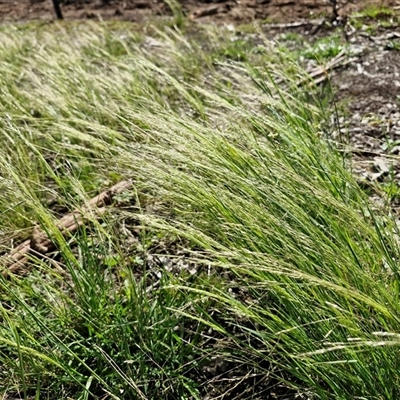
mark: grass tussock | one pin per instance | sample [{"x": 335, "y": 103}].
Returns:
[{"x": 286, "y": 276}]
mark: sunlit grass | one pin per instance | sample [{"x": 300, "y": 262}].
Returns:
[{"x": 292, "y": 278}]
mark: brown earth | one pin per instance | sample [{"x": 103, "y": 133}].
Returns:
[{"x": 219, "y": 11}]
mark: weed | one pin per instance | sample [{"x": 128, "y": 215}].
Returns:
[
  {"x": 393, "y": 45},
  {"x": 177, "y": 12},
  {"x": 325, "y": 48},
  {"x": 376, "y": 12},
  {"x": 371, "y": 17}
]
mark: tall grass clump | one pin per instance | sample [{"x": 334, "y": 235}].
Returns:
[
  {"x": 296, "y": 278},
  {"x": 313, "y": 270}
]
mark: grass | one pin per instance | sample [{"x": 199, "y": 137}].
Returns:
[
  {"x": 321, "y": 50},
  {"x": 376, "y": 12},
  {"x": 373, "y": 17},
  {"x": 325, "y": 48},
  {"x": 245, "y": 259}
]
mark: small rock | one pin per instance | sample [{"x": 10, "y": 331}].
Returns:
[{"x": 381, "y": 164}]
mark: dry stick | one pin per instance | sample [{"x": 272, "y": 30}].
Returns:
[
  {"x": 329, "y": 65},
  {"x": 39, "y": 243},
  {"x": 320, "y": 73},
  {"x": 325, "y": 76},
  {"x": 316, "y": 22}
]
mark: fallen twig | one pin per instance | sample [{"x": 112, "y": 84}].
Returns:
[
  {"x": 296, "y": 24},
  {"x": 323, "y": 75},
  {"x": 39, "y": 243},
  {"x": 320, "y": 73}
]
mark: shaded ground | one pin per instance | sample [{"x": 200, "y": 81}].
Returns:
[
  {"x": 219, "y": 11},
  {"x": 368, "y": 88}
]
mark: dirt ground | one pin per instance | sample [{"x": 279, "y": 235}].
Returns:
[{"x": 219, "y": 11}]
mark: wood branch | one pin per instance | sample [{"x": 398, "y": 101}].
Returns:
[
  {"x": 324, "y": 76},
  {"x": 315, "y": 22},
  {"x": 321, "y": 73},
  {"x": 39, "y": 243}
]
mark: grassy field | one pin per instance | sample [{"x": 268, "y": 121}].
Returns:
[{"x": 244, "y": 262}]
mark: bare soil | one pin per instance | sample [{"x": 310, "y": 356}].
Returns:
[{"x": 218, "y": 11}]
